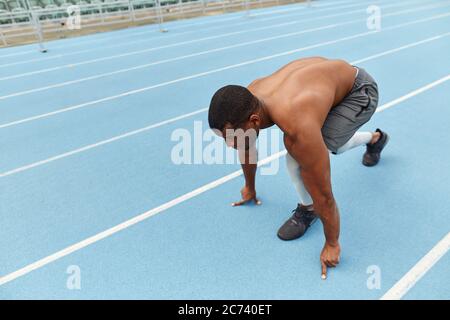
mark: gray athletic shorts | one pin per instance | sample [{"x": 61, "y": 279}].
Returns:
[{"x": 351, "y": 113}]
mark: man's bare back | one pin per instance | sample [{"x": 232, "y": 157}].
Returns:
[{"x": 287, "y": 91}]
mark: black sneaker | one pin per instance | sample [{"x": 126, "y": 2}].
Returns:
[
  {"x": 297, "y": 225},
  {"x": 373, "y": 153}
]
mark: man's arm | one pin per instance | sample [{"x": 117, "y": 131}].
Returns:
[
  {"x": 248, "y": 159},
  {"x": 307, "y": 147}
]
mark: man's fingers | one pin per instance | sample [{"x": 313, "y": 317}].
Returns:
[
  {"x": 324, "y": 270},
  {"x": 239, "y": 203},
  {"x": 334, "y": 262}
]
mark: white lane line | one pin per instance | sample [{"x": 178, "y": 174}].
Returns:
[
  {"x": 419, "y": 270},
  {"x": 144, "y": 216},
  {"x": 82, "y": 244},
  {"x": 414, "y": 93},
  {"x": 101, "y": 143},
  {"x": 181, "y": 43},
  {"x": 138, "y": 67},
  {"x": 137, "y": 131},
  {"x": 90, "y": 103},
  {"x": 167, "y": 46},
  {"x": 17, "y": 53},
  {"x": 147, "y": 65},
  {"x": 333, "y": 6},
  {"x": 414, "y": 44}
]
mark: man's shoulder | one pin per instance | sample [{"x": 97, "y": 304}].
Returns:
[
  {"x": 294, "y": 120},
  {"x": 256, "y": 83}
]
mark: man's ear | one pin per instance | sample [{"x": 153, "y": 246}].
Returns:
[{"x": 255, "y": 119}]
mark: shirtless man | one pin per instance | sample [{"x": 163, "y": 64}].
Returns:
[{"x": 319, "y": 104}]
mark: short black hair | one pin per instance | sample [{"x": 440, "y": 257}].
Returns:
[{"x": 231, "y": 104}]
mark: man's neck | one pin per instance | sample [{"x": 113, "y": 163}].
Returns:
[{"x": 266, "y": 120}]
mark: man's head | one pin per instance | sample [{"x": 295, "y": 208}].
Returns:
[{"x": 235, "y": 111}]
